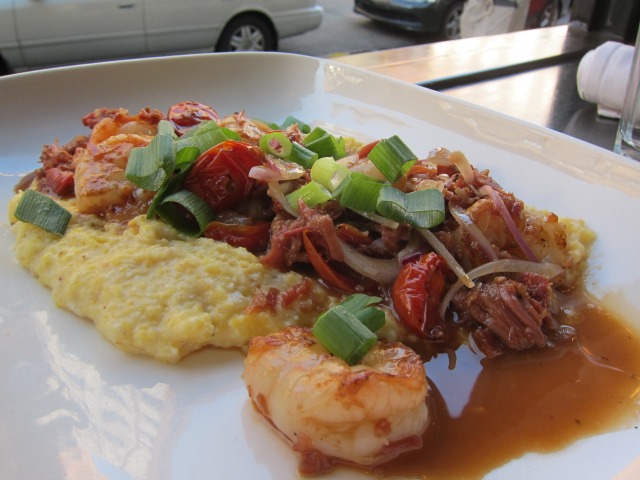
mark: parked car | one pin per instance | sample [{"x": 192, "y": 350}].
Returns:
[
  {"x": 442, "y": 17},
  {"x": 543, "y": 13},
  {"x": 46, "y": 32}
]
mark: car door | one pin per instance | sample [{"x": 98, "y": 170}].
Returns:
[
  {"x": 188, "y": 24},
  {"x": 65, "y": 31}
]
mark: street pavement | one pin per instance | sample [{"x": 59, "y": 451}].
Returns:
[{"x": 344, "y": 32}]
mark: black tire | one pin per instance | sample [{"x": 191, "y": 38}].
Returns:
[
  {"x": 450, "y": 29},
  {"x": 247, "y": 33},
  {"x": 4, "y": 67}
]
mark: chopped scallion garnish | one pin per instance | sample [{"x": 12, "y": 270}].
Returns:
[
  {"x": 302, "y": 155},
  {"x": 148, "y": 167},
  {"x": 290, "y": 120},
  {"x": 344, "y": 335},
  {"x": 422, "y": 209},
  {"x": 390, "y": 155},
  {"x": 360, "y": 193},
  {"x": 207, "y": 136},
  {"x": 42, "y": 211},
  {"x": 172, "y": 210},
  {"x": 328, "y": 173},
  {"x": 341, "y": 329},
  {"x": 312, "y": 194},
  {"x": 166, "y": 128},
  {"x": 276, "y": 143},
  {"x": 325, "y": 144}
]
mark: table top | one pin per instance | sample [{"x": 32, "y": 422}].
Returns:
[{"x": 530, "y": 75}]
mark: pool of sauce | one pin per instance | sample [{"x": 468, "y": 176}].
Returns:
[{"x": 486, "y": 412}]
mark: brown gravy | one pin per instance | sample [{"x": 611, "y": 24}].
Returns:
[{"x": 485, "y": 413}]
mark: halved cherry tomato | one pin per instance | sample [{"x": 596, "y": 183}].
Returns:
[
  {"x": 185, "y": 115},
  {"x": 254, "y": 238},
  {"x": 220, "y": 175},
  {"x": 366, "y": 149},
  {"x": 322, "y": 268},
  {"x": 417, "y": 293}
]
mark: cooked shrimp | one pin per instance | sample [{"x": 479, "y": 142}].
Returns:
[
  {"x": 107, "y": 123},
  {"x": 332, "y": 412},
  {"x": 101, "y": 186}
]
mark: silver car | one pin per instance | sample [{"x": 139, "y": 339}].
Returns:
[{"x": 47, "y": 32}]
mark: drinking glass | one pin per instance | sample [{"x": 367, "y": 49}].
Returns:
[{"x": 628, "y": 136}]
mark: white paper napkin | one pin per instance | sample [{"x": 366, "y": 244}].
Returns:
[{"x": 603, "y": 74}]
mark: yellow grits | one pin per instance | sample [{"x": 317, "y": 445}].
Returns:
[{"x": 153, "y": 291}]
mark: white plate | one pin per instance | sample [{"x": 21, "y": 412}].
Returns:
[{"x": 75, "y": 407}]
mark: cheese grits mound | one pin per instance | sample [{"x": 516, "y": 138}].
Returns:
[{"x": 151, "y": 290}]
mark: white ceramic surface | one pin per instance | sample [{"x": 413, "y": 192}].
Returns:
[{"x": 74, "y": 407}]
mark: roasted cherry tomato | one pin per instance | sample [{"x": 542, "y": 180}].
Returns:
[
  {"x": 254, "y": 238},
  {"x": 185, "y": 115},
  {"x": 366, "y": 149},
  {"x": 417, "y": 293},
  {"x": 220, "y": 175}
]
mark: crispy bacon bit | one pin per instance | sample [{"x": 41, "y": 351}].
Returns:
[
  {"x": 60, "y": 181},
  {"x": 273, "y": 299}
]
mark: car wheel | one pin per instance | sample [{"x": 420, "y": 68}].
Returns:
[
  {"x": 451, "y": 22},
  {"x": 247, "y": 33},
  {"x": 4, "y": 67}
]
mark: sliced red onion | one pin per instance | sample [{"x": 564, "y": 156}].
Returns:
[
  {"x": 277, "y": 192},
  {"x": 413, "y": 249},
  {"x": 471, "y": 228},
  {"x": 502, "y": 208},
  {"x": 549, "y": 270},
  {"x": 364, "y": 165},
  {"x": 458, "y": 159},
  {"x": 383, "y": 271},
  {"x": 439, "y": 156},
  {"x": 439, "y": 247},
  {"x": 276, "y": 169}
]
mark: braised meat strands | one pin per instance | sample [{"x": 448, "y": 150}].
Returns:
[
  {"x": 251, "y": 176},
  {"x": 446, "y": 254}
]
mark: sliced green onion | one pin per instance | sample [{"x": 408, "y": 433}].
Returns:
[
  {"x": 358, "y": 301},
  {"x": 200, "y": 128},
  {"x": 325, "y": 144},
  {"x": 186, "y": 156},
  {"x": 373, "y": 318},
  {"x": 422, "y": 209},
  {"x": 302, "y": 155},
  {"x": 148, "y": 167},
  {"x": 312, "y": 194},
  {"x": 290, "y": 120},
  {"x": 344, "y": 335},
  {"x": 361, "y": 306},
  {"x": 171, "y": 186},
  {"x": 206, "y": 138},
  {"x": 360, "y": 193},
  {"x": 276, "y": 143},
  {"x": 204, "y": 135},
  {"x": 390, "y": 155},
  {"x": 172, "y": 210},
  {"x": 166, "y": 128},
  {"x": 328, "y": 173},
  {"x": 42, "y": 211}
]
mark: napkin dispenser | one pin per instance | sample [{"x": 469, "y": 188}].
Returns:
[{"x": 603, "y": 74}]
